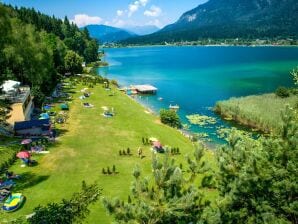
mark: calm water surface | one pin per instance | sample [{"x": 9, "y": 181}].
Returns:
[{"x": 196, "y": 77}]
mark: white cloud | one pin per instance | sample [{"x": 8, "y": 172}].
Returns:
[
  {"x": 153, "y": 12},
  {"x": 133, "y": 7},
  {"x": 155, "y": 22},
  {"x": 84, "y": 20},
  {"x": 143, "y": 2},
  {"x": 120, "y": 12}
]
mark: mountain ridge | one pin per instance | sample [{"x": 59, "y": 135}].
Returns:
[
  {"x": 231, "y": 19},
  {"x": 107, "y": 34}
]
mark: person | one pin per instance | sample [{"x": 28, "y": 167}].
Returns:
[
  {"x": 11, "y": 175},
  {"x": 140, "y": 152}
]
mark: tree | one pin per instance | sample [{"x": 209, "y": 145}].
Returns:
[
  {"x": 73, "y": 62},
  {"x": 170, "y": 197},
  {"x": 67, "y": 211},
  {"x": 91, "y": 51},
  {"x": 170, "y": 117},
  {"x": 258, "y": 178},
  {"x": 5, "y": 32}
]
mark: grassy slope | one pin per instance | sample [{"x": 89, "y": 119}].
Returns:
[
  {"x": 263, "y": 111},
  {"x": 91, "y": 142}
]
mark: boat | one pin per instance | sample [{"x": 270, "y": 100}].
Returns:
[
  {"x": 160, "y": 98},
  {"x": 174, "y": 107},
  {"x": 13, "y": 202}
]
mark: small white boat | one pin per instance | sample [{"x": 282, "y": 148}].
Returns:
[
  {"x": 160, "y": 98},
  {"x": 174, "y": 107}
]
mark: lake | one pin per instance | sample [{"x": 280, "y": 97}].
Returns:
[{"x": 196, "y": 77}]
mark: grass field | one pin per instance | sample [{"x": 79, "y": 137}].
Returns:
[
  {"x": 263, "y": 112},
  {"x": 90, "y": 142}
]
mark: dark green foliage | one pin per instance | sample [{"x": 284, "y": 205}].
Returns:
[
  {"x": 128, "y": 151},
  {"x": 114, "y": 169},
  {"x": 282, "y": 92},
  {"x": 123, "y": 152},
  {"x": 73, "y": 62},
  {"x": 33, "y": 47},
  {"x": 7, "y": 156},
  {"x": 67, "y": 211},
  {"x": 120, "y": 153},
  {"x": 108, "y": 170},
  {"x": 143, "y": 140},
  {"x": 4, "y": 111},
  {"x": 258, "y": 178},
  {"x": 170, "y": 117},
  {"x": 39, "y": 96},
  {"x": 104, "y": 171},
  {"x": 172, "y": 198}
]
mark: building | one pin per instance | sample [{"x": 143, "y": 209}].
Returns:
[
  {"x": 33, "y": 128},
  {"x": 20, "y": 99}
]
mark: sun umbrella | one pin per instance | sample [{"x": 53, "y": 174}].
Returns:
[
  {"x": 26, "y": 141},
  {"x": 157, "y": 144},
  {"x": 44, "y": 116},
  {"x": 23, "y": 154}
]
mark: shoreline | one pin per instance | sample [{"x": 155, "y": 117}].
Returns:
[
  {"x": 211, "y": 45},
  {"x": 186, "y": 133}
]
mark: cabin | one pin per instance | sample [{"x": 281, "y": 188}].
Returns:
[
  {"x": 33, "y": 128},
  {"x": 21, "y": 101},
  {"x": 145, "y": 89}
]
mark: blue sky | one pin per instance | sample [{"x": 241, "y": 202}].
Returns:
[{"x": 120, "y": 13}]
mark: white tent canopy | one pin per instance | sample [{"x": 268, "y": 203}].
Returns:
[{"x": 10, "y": 85}]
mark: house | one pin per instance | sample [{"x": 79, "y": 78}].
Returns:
[
  {"x": 20, "y": 99},
  {"x": 33, "y": 128}
]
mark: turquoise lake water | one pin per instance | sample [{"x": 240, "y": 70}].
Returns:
[{"x": 196, "y": 77}]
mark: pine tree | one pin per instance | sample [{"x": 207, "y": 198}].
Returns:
[{"x": 172, "y": 198}]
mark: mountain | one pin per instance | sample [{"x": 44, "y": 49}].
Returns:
[
  {"x": 220, "y": 19},
  {"x": 108, "y": 33},
  {"x": 143, "y": 30}
]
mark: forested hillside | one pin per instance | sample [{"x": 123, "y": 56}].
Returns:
[
  {"x": 36, "y": 48},
  {"x": 228, "y": 19}
]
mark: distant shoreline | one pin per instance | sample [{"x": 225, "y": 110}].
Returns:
[{"x": 187, "y": 45}]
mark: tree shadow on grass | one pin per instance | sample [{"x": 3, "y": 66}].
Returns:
[{"x": 27, "y": 180}]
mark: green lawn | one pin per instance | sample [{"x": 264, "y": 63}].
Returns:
[
  {"x": 261, "y": 111},
  {"x": 90, "y": 142}
]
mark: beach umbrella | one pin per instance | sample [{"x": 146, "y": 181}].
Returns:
[
  {"x": 44, "y": 116},
  {"x": 23, "y": 154},
  {"x": 157, "y": 145},
  {"x": 26, "y": 141}
]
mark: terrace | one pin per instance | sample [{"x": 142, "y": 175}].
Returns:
[{"x": 13, "y": 92}]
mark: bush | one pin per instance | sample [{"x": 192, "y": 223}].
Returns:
[
  {"x": 170, "y": 117},
  {"x": 7, "y": 157},
  {"x": 282, "y": 92}
]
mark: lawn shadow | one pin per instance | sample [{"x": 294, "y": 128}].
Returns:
[
  {"x": 28, "y": 179},
  {"x": 61, "y": 132}
]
